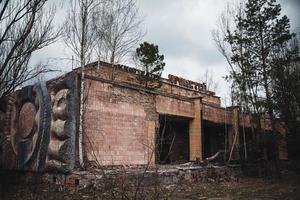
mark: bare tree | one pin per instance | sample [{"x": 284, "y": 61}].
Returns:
[
  {"x": 247, "y": 94},
  {"x": 210, "y": 81},
  {"x": 79, "y": 36},
  {"x": 78, "y": 31},
  {"x": 25, "y": 27},
  {"x": 100, "y": 28},
  {"x": 118, "y": 30}
]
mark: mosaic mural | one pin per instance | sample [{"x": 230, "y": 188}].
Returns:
[{"x": 40, "y": 126}]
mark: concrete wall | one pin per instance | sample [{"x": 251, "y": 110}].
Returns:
[
  {"x": 176, "y": 107},
  {"x": 216, "y": 114},
  {"x": 128, "y": 75}
]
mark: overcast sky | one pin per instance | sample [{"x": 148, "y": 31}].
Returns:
[{"x": 182, "y": 29}]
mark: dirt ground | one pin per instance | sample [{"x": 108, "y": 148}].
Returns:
[
  {"x": 287, "y": 187},
  {"x": 244, "y": 188}
]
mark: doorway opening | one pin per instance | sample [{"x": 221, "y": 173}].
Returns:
[
  {"x": 213, "y": 138},
  {"x": 172, "y": 141}
]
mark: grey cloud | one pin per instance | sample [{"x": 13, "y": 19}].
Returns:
[
  {"x": 182, "y": 30},
  {"x": 291, "y": 8}
]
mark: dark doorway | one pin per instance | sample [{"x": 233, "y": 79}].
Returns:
[
  {"x": 213, "y": 138},
  {"x": 172, "y": 141}
]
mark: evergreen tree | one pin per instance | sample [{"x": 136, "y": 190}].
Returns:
[
  {"x": 151, "y": 63},
  {"x": 259, "y": 34},
  {"x": 286, "y": 76},
  {"x": 257, "y": 37}
]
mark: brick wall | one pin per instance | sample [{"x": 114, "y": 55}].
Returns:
[{"x": 116, "y": 124}]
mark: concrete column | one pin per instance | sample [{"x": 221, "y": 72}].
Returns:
[
  {"x": 151, "y": 142},
  {"x": 234, "y": 135},
  {"x": 195, "y": 132}
]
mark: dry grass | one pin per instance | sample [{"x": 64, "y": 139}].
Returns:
[{"x": 288, "y": 187}]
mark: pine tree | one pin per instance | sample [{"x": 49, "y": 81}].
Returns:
[
  {"x": 258, "y": 36},
  {"x": 286, "y": 76},
  {"x": 151, "y": 63}
]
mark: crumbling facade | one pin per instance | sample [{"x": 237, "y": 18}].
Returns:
[{"x": 124, "y": 123}]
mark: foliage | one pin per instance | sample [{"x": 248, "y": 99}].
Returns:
[
  {"x": 151, "y": 62},
  {"x": 258, "y": 34},
  {"x": 252, "y": 44},
  {"x": 286, "y": 75}
]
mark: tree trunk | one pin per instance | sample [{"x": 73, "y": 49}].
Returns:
[{"x": 82, "y": 63}]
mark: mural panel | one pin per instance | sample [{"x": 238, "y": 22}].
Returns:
[{"x": 38, "y": 128}]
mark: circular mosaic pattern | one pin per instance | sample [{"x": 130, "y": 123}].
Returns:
[{"x": 26, "y": 121}]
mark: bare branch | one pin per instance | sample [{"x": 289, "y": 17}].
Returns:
[
  {"x": 118, "y": 29},
  {"x": 25, "y": 27}
]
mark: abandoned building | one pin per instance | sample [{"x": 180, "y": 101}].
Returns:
[{"x": 124, "y": 123}]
